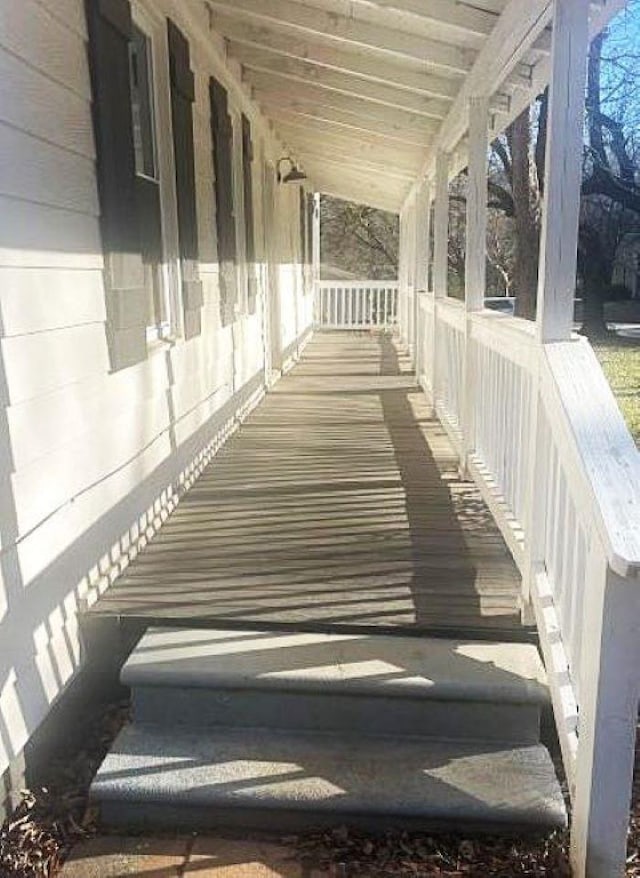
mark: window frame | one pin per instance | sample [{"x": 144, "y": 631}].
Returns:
[{"x": 168, "y": 328}]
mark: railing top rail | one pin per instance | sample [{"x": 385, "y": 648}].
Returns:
[
  {"x": 606, "y": 452},
  {"x": 452, "y": 311},
  {"x": 450, "y": 302},
  {"x": 499, "y": 322},
  {"x": 355, "y": 284},
  {"x": 605, "y": 460}
]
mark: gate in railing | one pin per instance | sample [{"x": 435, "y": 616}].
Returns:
[
  {"x": 364, "y": 304},
  {"x": 537, "y": 427}
]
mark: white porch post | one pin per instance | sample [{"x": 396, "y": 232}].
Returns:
[
  {"x": 402, "y": 273},
  {"x": 411, "y": 272},
  {"x": 609, "y": 694},
  {"x": 423, "y": 202},
  {"x": 441, "y": 225},
  {"x": 315, "y": 241},
  {"x": 423, "y": 221},
  {"x": 559, "y": 234},
  {"x": 315, "y": 253},
  {"x": 476, "y": 254},
  {"x": 440, "y": 257},
  {"x": 563, "y": 170},
  {"x": 407, "y": 236},
  {"x": 476, "y": 248}
]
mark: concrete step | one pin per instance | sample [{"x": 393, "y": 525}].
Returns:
[
  {"x": 266, "y": 779},
  {"x": 368, "y": 684}
]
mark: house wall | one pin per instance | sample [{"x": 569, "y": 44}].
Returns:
[{"x": 92, "y": 460}]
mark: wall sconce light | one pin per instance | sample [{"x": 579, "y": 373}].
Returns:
[{"x": 293, "y": 175}]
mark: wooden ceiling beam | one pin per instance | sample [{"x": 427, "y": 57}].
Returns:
[
  {"x": 391, "y": 188},
  {"x": 442, "y": 16},
  {"x": 331, "y": 188},
  {"x": 311, "y": 98},
  {"x": 345, "y": 136},
  {"x": 350, "y": 190},
  {"x": 283, "y": 69},
  {"x": 349, "y": 162},
  {"x": 405, "y": 74},
  {"x": 369, "y": 118},
  {"x": 318, "y": 25},
  {"x": 372, "y": 154}
]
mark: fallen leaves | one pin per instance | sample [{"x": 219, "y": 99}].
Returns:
[
  {"x": 52, "y": 818},
  {"x": 346, "y": 853}
]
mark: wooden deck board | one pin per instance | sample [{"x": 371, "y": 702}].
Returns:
[{"x": 338, "y": 502}]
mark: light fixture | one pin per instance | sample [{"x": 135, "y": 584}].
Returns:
[{"x": 293, "y": 175}]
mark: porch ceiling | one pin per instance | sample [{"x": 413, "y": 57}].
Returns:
[{"x": 362, "y": 92}]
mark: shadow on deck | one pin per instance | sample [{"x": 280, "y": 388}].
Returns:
[{"x": 338, "y": 503}]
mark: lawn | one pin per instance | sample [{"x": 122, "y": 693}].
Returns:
[{"x": 620, "y": 359}]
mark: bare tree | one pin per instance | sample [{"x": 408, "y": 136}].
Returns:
[
  {"x": 515, "y": 189},
  {"x": 359, "y": 240},
  {"x": 610, "y": 206}
]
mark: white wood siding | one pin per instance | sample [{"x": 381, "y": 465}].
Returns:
[{"x": 90, "y": 458}]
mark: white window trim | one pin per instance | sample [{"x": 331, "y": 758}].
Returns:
[{"x": 150, "y": 20}]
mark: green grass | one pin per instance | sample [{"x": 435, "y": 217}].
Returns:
[{"x": 620, "y": 359}]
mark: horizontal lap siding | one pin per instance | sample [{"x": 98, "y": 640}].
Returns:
[
  {"x": 51, "y": 297},
  {"x": 38, "y": 236},
  {"x": 34, "y": 103},
  {"x": 84, "y": 451}
]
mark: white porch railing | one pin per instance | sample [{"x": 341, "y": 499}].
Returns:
[
  {"x": 364, "y": 304},
  {"x": 537, "y": 427}
]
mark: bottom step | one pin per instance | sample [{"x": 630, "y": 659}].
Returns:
[{"x": 260, "y": 778}]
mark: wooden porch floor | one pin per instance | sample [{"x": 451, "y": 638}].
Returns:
[{"x": 337, "y": 503}]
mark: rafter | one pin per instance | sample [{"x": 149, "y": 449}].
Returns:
[
  {"x": 355, "y": 189},
  {"x": 372, "y": 154},
  {"x": 386, "y": 185},
  {"x": 274, "y": 104},
  {"x": 322, "y": 130},
  {"x": 315, "y": 24},
  {"x": 328, "y": 186},
  {"x": 281, "y": 68},
  {"x": 443, "y": 16},
  {"x": 347, "y": 163},
  {"x": 405, "y": 74},
  {"x": 311, "y": 97}
]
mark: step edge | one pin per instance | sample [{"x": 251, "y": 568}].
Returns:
[{"x": 529, "y": 692}]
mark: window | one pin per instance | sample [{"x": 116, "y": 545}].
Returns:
[
  {"x": 141, "y": 73},
  {"x": 147, "y": 181},
  {"x": 183, "y": 95},
  {"x": 139, "y": 204}
]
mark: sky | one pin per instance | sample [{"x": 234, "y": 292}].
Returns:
[{"x": 621, "y": 70}]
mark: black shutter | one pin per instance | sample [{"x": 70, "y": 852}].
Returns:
[
  {"x": 247, "y": 177},
  {"x": 182, "y": 98},
  {"x": 222, "y": 138},
  {"x": 109, "y": 24},
  {"x": 109, "y": 28}
]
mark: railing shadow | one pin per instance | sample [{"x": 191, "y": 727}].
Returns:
[
  {"x": 441, "y": 527},
  {"x": 337, "y": 504}
]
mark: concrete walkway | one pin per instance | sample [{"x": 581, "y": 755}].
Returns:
[{"x": 117, "y": 857}]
